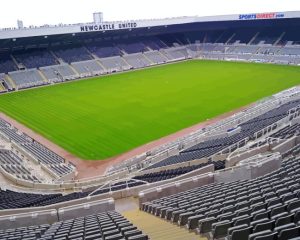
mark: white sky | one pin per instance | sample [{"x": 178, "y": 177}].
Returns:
[{"x": 39, "y": 12}]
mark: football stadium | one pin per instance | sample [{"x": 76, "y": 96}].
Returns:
[{"x": 175, "y": 128}]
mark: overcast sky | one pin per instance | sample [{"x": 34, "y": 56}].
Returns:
[{"x": 39, "y": 12}]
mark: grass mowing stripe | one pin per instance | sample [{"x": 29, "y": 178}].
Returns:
[{"x": 106, "y": 116}]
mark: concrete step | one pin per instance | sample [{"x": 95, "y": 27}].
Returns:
[{"x": 159, "y": 229}]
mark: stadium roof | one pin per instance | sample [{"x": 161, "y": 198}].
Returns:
[{"x": 47, "y": 30}]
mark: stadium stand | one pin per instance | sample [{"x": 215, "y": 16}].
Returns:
[
  {"x": 290, "y": 51},
  {"x": 172, "y": 173},
  {"x": 32, "y": 232},
  {"x": 27, "y": 78},
  {"x": 288, "y": 132},
  {"x": 36, "y": 59},
  {"x": 156, "y": 57},
  {"x": 49, "y": 158},
  {"x": 13, "y": 134},
  {"x": 133, "y": 47},
  {"x": 42, "y": 154},
  {"x": 34, "y": 200},
  {"x": 12, "y": 164},
  {"x": 75, "y": 54},
  {"x": 59, "y": 73},
  {"x": 113, "y": 59},
  {"x": 137, "y": 60},
  {"x": 104, "y": 52},
  {"x": 7, "y": 65},
  {"x": 88, "y": 68},
  {"x": 253, "y": 53},
  {"x": 238, "y": 210},
  {"x": 269, "y": 49},
  {"x": 106, "y": 225},
  {"x": 11, "y": 200},
  {"x": 246, "y": 49},
  {"x": 271, "y": 43},
  {"x": 175, "y": 54},
  {"x": 154, "y": 43},
  {"x": 114, "y": 64}
]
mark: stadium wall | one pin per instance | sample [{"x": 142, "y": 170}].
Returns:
[
  {"x": 38, "y": 216},
  {"x": 288, "y": 144}
]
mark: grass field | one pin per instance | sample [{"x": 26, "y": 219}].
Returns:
[{"x": 106, "y": 116}]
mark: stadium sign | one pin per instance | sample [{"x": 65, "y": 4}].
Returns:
[
  {"x": 104, "y": 27},
  {"x": 261, "y": 16}
]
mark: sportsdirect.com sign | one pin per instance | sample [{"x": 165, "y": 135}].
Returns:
[{"x": 261, "y": 16}]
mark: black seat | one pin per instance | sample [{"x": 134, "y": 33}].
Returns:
[
  {"x": 283, "y": 227},
  {"x": 264, "y": 226},
  {"x": 241, "y": 234},
  {"x": 126, "y": 229},
  {"x": 193, "y": 221},
  {"x": 254, "y": 223},
  {"x": 284, "y": 220},
  {"x": 242, "y": 220},
  {"x": 230, "y": 230},
  {"x": 205, "y": 225},
  {"x": 220, "y": 229},
  {"x": 278, "y": 212},
  {"x": 132, "y": 233},
  {"x": 262, "y": 233},
  {"x": 293, "y": 206},
  {"x": 272, "y": 236},
  {"x": 114, "y": 237},
  {"x": 183, "y": 218},
  {"x": 286, "y": 234},
  {"x": 139, "y": 237},
  {"x": 261, "y": 215},
  {"x": 297, "y": 217}
]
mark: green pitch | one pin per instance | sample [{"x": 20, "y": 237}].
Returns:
[{"x": 106, "y": 116}]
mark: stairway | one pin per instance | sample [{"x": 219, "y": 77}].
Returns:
[
  {"x": 74, "y": 70},
  {"x": 100, "y": 63},
  {"x": 229, "y": 40},
  {"x": 125, "y": 61},
  {"x": 163, "y": 55},
  {"x": 10, "y": 81},
  {"x": 253, "y": 39},
  {"x": 279, "y": 39},
  {"x": 151, "y": 62},
  {"x": 43, "y": 76},
  {"x": 159, "y": 229},
  {"x": 2, "y": 88}
]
